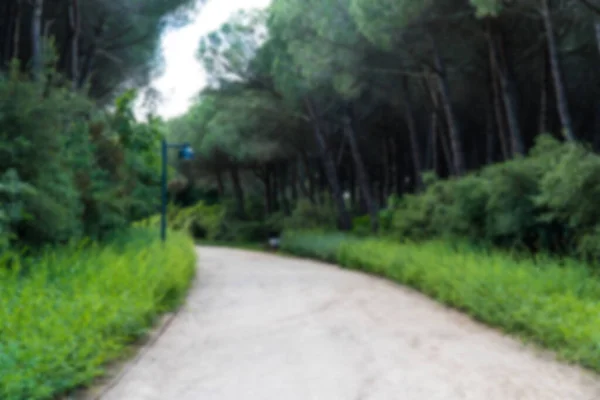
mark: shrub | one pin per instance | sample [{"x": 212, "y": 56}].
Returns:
[
  {"x": 545, "y": 300},
  {"x": 361, "y": 225},
  {"x": 307, "y": 215},
  {"x": 200, "y": 221},
  {"x": 35, "y": 132},
  {"x": 87, "y": 173},
  {"x": 546, "y": 201},
  {"x": 67, "y": 312}
]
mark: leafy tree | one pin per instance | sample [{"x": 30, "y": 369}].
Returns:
[{"x": 362, "y": 98}]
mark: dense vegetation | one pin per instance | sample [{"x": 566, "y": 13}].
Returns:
[
  {"x": 66, "y": 312},
  {"x": 439, "y": 119},
  {"x": 347, "y": 104},
  {"x": 76, "y": 168},
  {"x": 69, "y": 167}
]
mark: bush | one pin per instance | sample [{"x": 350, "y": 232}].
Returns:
[
  {"x": 361, "y": 225},
  {"x": 35, "y": 142},
  {"x": 547, "y": 301},
  {"x": 307, "y": 215},
  {"x": 543, "y": 202},
  {"x": 200, "y": 220},
  {"x": 83, "y": 172},
  {"x": 66, "y": 313}
]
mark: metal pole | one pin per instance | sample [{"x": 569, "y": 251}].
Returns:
[{"x": 163, "y": 189}]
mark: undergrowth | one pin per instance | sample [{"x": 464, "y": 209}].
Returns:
[{"x": 66, "y": 313}]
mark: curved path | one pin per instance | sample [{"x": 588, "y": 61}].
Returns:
[{"x": 261, "y": 327}]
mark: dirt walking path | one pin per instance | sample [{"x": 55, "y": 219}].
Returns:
[{"x": 261, "y": 327}]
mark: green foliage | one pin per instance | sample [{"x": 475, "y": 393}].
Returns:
[
  {"x": 200, "y": 221},
  {"x": 12, "y": 193},
  {"x": 310, "y": 216},
  {"x": 546, "y": 301},
  {"x": 218, "y": 223},
  {"x": 315, "y": 244},
  {"x": 65, "y": 313},
  {"x": 386, "y": 215},
  {"x": 546, "y": 201},
  {"x": 35, "y": 137},
  {"x": 70, "y": 171}
]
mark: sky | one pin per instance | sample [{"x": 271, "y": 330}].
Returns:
[{"x": 184, "y": 76}]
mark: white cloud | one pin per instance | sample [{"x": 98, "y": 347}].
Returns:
[{"x": 184, "y": 76}]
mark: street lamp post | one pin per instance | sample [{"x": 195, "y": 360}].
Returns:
[{"x": 185, "y": 153}]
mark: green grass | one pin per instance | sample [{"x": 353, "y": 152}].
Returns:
[
  {"x": 555, "y": 303},
  {"x": 235, "y": 245},
  {"x": 77, "y": 308}
]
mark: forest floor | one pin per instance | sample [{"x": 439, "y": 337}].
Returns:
[{"x": 261, "y": 327}]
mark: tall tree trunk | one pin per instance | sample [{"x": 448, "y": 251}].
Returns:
[
  {"x": 596, "y": 137},
  {"x": 304, "y": 176},
  {"x": 6, "y": 29},
  {"x": 267, "y": 189},
  {"x": 499, "y": 110},
  {"x": 352, "y": 188},
  {"x": 329, "y": 166},
  {"x": 17, "y": 32},
  {"x": 435, "y": 145},
  {"x": 391, "y": 163},
  {"x": 323, "y": 179},
  {"x": 562, "y": 102},
  {"x": 447, "y": 151},
  {"x": 597, "y": 32},
  {"x": 36, "y": 39},
  {"x": 312, "y": 185},
  {"x": 385, "y": 155},
  {"x": 86, "y": 66},
  {"x": 275, "y": 187},
  {"x": 507, "y": 84},
  {"x": 293, "y": 170},
  {"x": 220, "y": 184},
  {"x": 394, "y": 164},
  {"x": 74, "y": 27},
  {"x": 454, "y": 133},
  {"x": 283, "y": 187},
  {"x": 238, "y": 191},
  {"x": 89, "y": 56},
  {"x": 543, "y": 119},
  {"x": 490, "y": 142},
  {"x": 400, "y": 171},
  {"x": 413, "y": 135},
  {"x": 437, "y": 128},
  {"x": 7, "y": 22},
  {"x": 361, "y": 173}
]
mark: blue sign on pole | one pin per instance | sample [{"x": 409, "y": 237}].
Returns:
[{"x": 186, "y": 153}]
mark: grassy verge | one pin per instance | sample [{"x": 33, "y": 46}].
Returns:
[
  {"x": 66, "y": 313},
  {"x": 552, "y": 302},
  {"x": 234, "y": 245}
]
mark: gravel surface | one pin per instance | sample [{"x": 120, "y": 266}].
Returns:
[{"x": 262, "y": 327}]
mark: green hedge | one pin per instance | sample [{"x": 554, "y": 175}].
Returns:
[
  {"x": 68, "y": 312},
  {"x": 552, "y": 302}
]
